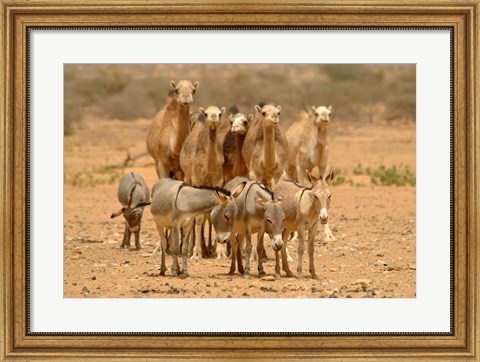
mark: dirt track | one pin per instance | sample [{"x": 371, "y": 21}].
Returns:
[{"x": 374, "y": 255}]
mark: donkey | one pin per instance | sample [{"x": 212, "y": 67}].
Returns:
[
  {"x": 303, "y": 208},
  {"x": 258, "y": 212},
  {"x": 175, "y": 206},
  {"x": 132, "y": 190}
]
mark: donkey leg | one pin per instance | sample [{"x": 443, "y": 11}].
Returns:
[
  {"x": 285, "y": 266},
  {"x": 328, "y": 233},
  {"x": 175, "y": 249},
  {"x": 277, "y": 265},
  {"x": 260, "y": 253},
  {"x": 300, "y": 251},
  {"x": 163, "y": 246},
  {"x": 248, "y": 252},
  {"x": 186, "y": 238},
  {"x": 126, "y": 237},
  {"x": 197, "y": 250},
  {"x": 137, "y": 238},
  {"x": 311, "y": 247},
  {"x": 234, "y": 254},
  {"x": 240, "y": 244}
]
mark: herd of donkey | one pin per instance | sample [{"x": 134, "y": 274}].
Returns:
[{"x": 240, "y": 172}]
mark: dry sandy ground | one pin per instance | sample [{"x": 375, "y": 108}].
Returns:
[{"x": 373, "y": 256}]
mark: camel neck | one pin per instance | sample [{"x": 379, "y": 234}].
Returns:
[
  {"x": 211, "y": 148},
  {"x": 269, "y": 147},
  {"x": 240, "y": 168}
]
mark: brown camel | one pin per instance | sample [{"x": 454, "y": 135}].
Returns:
[
  {"x": 308, "y": 143},
  {"x": 232, "y": 135},
  {"x": 170, "y": 128},
  {"x": 265, "y": 149},
  {"x": 202, "y": 160}
]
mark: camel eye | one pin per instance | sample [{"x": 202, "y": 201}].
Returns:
[
  {"x": 193, "y": 91},
  {"x": 206, "y": 114},
  {"x": 264, "y": 114},
  {"x": 226, "y": 217},
  {"x": 278, "y": 113},
  {"x": 176, "y": 91},
  {"x": 316, "y": 113},
  {"x": 269, "y": 221}
]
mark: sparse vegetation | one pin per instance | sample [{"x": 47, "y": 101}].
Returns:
[
  {"x": 382, "y": 175},
  {"x": 100, "y": 176}
]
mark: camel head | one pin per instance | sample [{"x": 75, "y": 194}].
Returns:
[
  {"x": 184, "y": 91},
  {"x": 212, "y": 115},
  {"x": 321, "y": 114},
  {"x": 240, "y": 123},
  {"x": 269, "y": 114},
  {"x": 321, "y": 190}
]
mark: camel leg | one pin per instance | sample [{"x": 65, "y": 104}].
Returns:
[
  {"x": 197, "y": 250},
  {"x": 162, "y": 169},
  {"x": 301, "y": 176},
  {"x": 285, "y": 267},
  {"x": 300, "y": 250},
  {"x": 163, "y": 247},
  {"x": 311, "y": 246},
  {"x": 328, "y": 233},
  {"x": 126, "y": 237},
  {"x": 292, "y": 174}
]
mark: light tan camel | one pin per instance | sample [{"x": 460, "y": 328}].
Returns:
[
  {"x": 265, "y": 149},
  {"x": 202, "y": 161},
  {"x": 170, "y": 128},
  {"x": 308, "y": 143},
  {"x": 233, "y": 132},
  {"x": 303, "y": 208}
]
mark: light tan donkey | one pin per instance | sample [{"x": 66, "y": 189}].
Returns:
[
  {"x": 201, "y": 159},
  {"x": 303, "y": 208},
  {"x": 265, "y": 149},
  {"x": 170, "y": 128},
  {"x": 174, "y": 207},
  {"x": 308, "y": 143},
  {"x": 233, "y": 131}
]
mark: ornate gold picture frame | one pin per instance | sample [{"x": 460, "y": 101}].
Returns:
[{"x": 19, "y": 343}]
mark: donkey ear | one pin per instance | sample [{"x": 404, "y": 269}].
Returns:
[
  {"x": 222, "y": 110},
  {"x": 222, "y": 197},
  {"x": 250, "y": 117},
  {"x": 173, "y": 84},
  {"x": 261, "y": 202},
  {"x": 143, "y": 203},
  {"x": 238, "y": 190},
  {"x": 258, "y": 108},
  {"x": 118, "y": 213},
  {"x": 196, "y": 85},
  {"x": 312, "y": 179},
  {"x": 330, "y": 176}
]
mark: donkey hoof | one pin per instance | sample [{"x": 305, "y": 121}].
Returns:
[
  {"x": 183, "y": 276},
  {"x": 315, "y": 276},
  {"x": 162, "y": 272},
  {"x": 125, "y": 246},
  {"x": 231, "y": 272},
  {"x": 262, "y": 274},
  {"x": 289, "y": 274},
  {"x": 241, "y": 271},
  {"x": 278, "y": 276},
  {"x": 247, "y": 276},
  {"x": 138, "y": 247}
]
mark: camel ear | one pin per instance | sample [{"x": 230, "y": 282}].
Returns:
[
  {"x": 196, "y": 85},
  {"x": 173, "y": 84},
  {"x": 279, "y": 108},
  {"x": 222, "y": 110},
  {"x": 250, "y": 117},
  {"x": 238, "y": 190},
  {"x": 258, "y": 108},
  {"x": 118, "y": 213},
  {"x": 314, "y": 109},
  {"x": 202, "y": 110},
  {"x": 330, "y": 176},
  {"x": 330, "y": 108}
]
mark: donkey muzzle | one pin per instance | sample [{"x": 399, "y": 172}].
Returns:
[{"x": 223, "y": 237}]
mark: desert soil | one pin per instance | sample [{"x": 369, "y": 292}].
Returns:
[{"x": 373, "y": 256}]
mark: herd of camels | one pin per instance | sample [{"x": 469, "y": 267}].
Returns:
[{"x": 240, "y": 172}]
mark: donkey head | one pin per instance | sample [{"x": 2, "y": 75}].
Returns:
[
  {"x": 224, "y": 214},
  {"x": 133, "y": 215},
  {"x": 273, "y": 220},
  {"x": 321, "y": 190}
]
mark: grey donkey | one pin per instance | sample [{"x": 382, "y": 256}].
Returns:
[
  {"x": 258, "y": 212},
  {"x": 175, "y": 206},
  {"x": 132, "y": 190}
]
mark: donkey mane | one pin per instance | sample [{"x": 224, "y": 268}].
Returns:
[
  {"x": 297, "y": 184},
  {"x": 262, "y": 186},
  {"x": 214, "y": 188}
]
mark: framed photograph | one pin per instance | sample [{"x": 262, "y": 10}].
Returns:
[{"x": 378, "y": 103}]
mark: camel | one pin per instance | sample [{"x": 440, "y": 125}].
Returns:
[
  {"x": 174, "y": 207},
  {"x": 308, "y": 143},
  {"x": 201, "y": 159},
  {"x": 303, "y": 208},
  {"x": 232, "y": 134},
  {"x": 265, "y": 149},
  {"x": 258, "y": 212},
  {"x": 170, "y": 128}
]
